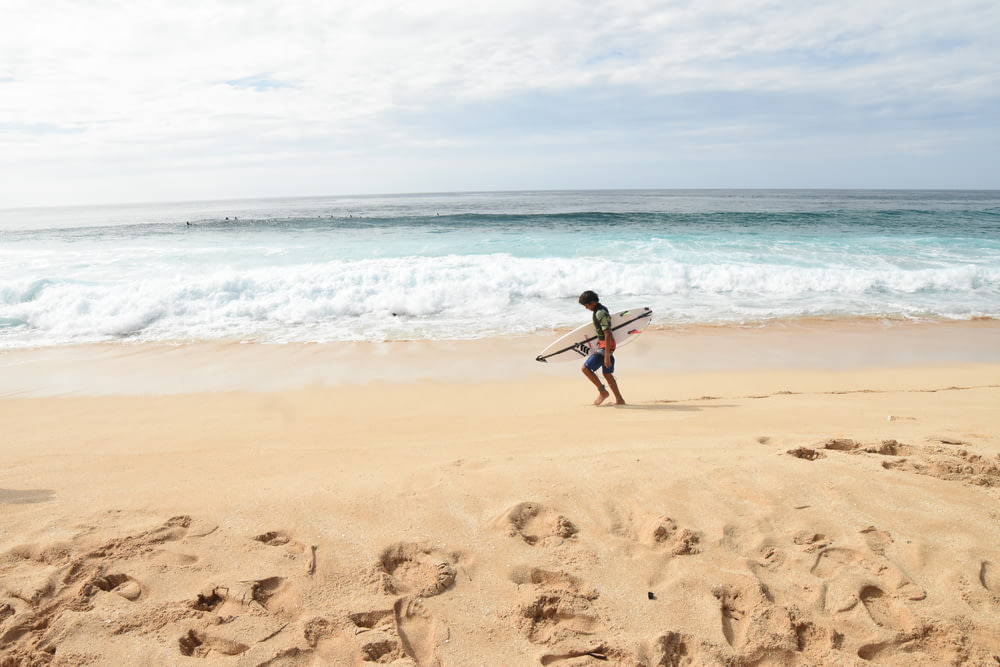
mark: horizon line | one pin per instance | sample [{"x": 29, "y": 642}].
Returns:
[{"x": 473, "y": 192}]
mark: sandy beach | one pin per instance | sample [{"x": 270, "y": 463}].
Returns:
[{"x": 824, "y": 495}]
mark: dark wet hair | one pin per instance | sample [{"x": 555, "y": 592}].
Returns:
[{"x": 588, "y": 297}]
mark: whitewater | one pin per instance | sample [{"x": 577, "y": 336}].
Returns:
[{"x": 473, "y": 265}]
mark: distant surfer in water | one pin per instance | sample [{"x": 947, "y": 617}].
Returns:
[{"x": 602, "y": 355}]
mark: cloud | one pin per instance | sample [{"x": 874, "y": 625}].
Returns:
[
  {"x": 258, "y": 82},
  {"x": 36, "y": 129},
  {"x": 171, "y": 85}
]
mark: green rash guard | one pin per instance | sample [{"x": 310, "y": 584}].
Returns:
[{"x": 602, "y": 321}]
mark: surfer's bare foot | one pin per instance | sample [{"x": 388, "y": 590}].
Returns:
[
  {"x": 602, "y": 396},
  {"x": 613, "y": 383}
]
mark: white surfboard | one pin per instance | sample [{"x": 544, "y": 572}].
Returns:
[{"x": 627, "y": 325}]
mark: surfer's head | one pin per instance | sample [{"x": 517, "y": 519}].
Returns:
[{"x": 588, "y": 298}]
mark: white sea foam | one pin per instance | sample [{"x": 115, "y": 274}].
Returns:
[
  {"x": 459, "y": 297},
  {"x": 417, "y": 276}
]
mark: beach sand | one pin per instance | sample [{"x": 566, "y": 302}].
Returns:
[{"x": 823, "y": 496}]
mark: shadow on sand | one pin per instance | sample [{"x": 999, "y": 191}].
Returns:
[
  {"x": 666, "y": 406},
  {"x": 25, "y": 496}
]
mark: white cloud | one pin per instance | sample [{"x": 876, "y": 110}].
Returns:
[{"x": 134, "y": 90}]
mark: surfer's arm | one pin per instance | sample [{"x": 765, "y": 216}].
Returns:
[{"x": 609, "y": 345}]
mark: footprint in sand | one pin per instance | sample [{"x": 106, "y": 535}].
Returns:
[
  {"x": 234, "y": 634},
  {"x": 952, "y": 465},
  {"x": 417, "y": 631},
  {"x": 553, "y": 582},
  {"x": 840, "y": 445},
  {"x": 274, "y": 538},
  {"x": 889, "y": 448},
  {"x": 810, "y": 541},
  {"x": 375, "y": 634},
  {"x": 555, "y": 616},
  {"x": 414, "y": 569},
  {"x": 210, "y": 599},
  {"x": 263, "y": 591},
  {"x": 326, "y": 644},
  {"x": 260, "y": 592},
  {"x": 929, "y": 645},
  {"x": 198, "y": 644},
  {"x": 886, "y": 612},
  {"x": 407, "y": 634},
  {"x": 149, "y": 543},
  {"x": 175, "y": 528},
  {"x": 669, "y": 650},
  {"x": 537, "y": 524},
  {"x": 815, "y": 639},
  {"x": 360, "y": 639},
  {"x": 842, "y": 570},
  {"x": 328, "y": 638},
  {"x": 525, "y": 574},
  {"x": 120, "y": 584},
  {"x": 656, "y": 531},
  {"x": 806, "y": 453},
  {"x": 877, "y": 540},
  {"x": 733, "y": 612},
  {"x": 769, "y": 555},
  {"x": 751, "y": 622},
  {"x": 989, "y": 577},
  {"x": 76, "y": 572},
  {"x": 832, "y": 561},
  {"x": 280, "y": 538},
  {"x": 984, "y": 594},
  {"x": 845, "y": 569},
  {"x": 559, "y": 614}
]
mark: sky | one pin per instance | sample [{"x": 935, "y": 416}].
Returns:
[{"x": 110, "y": 101}]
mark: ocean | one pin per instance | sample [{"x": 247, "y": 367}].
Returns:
[{"x": 474, "y": 265}]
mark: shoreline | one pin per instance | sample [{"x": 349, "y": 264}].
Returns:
[{"x": 153, "y": 368}]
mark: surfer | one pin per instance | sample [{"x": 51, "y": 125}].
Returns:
[{"x": 602, "y": 355}]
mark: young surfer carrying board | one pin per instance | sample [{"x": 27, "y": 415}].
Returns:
[{"x": 602, "y": 353}]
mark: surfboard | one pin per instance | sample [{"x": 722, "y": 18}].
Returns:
[{"x": 627, "y": 325}]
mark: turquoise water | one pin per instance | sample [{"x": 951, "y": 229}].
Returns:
[{"x": 449, "y": 266}]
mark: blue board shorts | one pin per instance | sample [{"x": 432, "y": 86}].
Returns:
[{"x": 596, "y": 360}]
